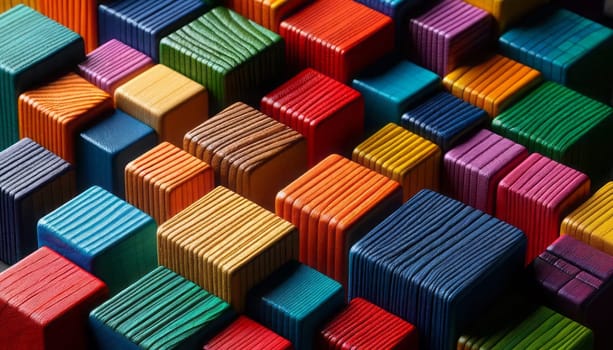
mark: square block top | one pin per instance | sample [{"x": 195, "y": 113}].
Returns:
[
  {"x": 221, "y": 39},
  {"x": 43, "y": 285},
  {"x": 583, "y": 256},
  {"x": 157, "y": 91},
  {"x": 449, "y": 18},
  {"x": 93, "y": 221}
]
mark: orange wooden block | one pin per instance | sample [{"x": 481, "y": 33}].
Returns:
[
  {"x": 166, "y": 180},
  {"x": 267, "y": 13},
  {"x": 7, "y": 4},
  {"x": 79, "y": 15},
  {"x": 54, "y": 114}
]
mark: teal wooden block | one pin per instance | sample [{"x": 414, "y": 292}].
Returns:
[
  {"x": 33, "y": 49},
  {"x": 104, "y": 235},
  {"x": 390, "y": 87}
]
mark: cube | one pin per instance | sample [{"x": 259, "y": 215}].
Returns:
[
  {"x": 44, "y": 296},
  {"x": 330, "y": 115},
  {"x": 51, "y": 116},
  {"x": 30, "y": 57},
  {"x": 236, "y": 241},
  {"x": 165, "y": 180},
  {"x": 33, "y": 182},
  {"x": 103, "y": 235},
  {"x": 402, "y": 156},
  {"x": 104, "y": 150},
  {"x": 536, "y": 195},
  {"x": 245, "y": 333},
  {"x": 78, "y": 15},
  {"x": 390, "y": 87},
  {"x": 167, "y": 101},
  {"x": 267, "y": 13}
]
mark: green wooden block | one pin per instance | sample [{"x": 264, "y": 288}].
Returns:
[
  {"x": 229, "y": 54},
  {"x": 33, "y": 49}
]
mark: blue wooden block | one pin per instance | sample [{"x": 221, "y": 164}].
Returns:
[
  {"x": 142, "y": 24},
  {"x": 390, "y": 87},
  {"x": 104, "y": 150},
  {"x": 444, "y": 119},
  {"x": 104, "y": 235}
]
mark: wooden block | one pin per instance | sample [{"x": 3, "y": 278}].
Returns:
[
  {"x": 402, "y": 156},
  {"x": 78, "y": 15},
  {"x": 165, "y": 100},
  {"x": 55, "y": 113},
  {"x": 251, "y": 153},
  {"x": 165, "y": 180},
  {"x": 244, "y": 333},
  {"x": 45, "y": 297},
  {"x": 330, "y": 115},
  {"x": 396, "y": 9},
  {"x": 5, "y": 5},
  {"x": 507, "y": 12},
  {"x": 267, "y": 13},
  {"x": 103, "y": 235}
]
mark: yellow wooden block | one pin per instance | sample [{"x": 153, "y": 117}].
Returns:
[
  {"x": 167, "y": 101},
  {"x": 226, "y": 244},
  {"x": 402, "y": 156},
  {"x": 592, "y": 222},
  {"x": 7, "y": 4},
  {"x": 507, "y": 11}
]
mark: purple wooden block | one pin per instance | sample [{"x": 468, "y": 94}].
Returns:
[
  {"x": 474, "y": 168},
  {"x": 448, "y": 33},
  {"x": 589, "y": 259},
  {"x": 112, "y": 64}
]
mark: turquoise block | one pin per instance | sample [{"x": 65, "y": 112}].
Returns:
[
  {"x": 104, "y": 150},
  {"x": 33, "y": 49},
  {"x": 104, "y": 235},
  {"x": 390, "y": 87}
]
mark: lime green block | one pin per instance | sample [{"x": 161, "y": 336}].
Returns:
[
  {"x": 162, "y": 310},
  {"x": 33, "y": 49},
  {"x": 564, "y": 125},
  {"x": 229, "y": 54}
]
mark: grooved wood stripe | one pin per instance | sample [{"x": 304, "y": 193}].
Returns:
[{"x": 78, "y": 15}]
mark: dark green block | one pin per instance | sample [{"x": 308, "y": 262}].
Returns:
[
  {"x": 227, "y": 53},
  {"x": 33, "y": 49},
  {"x": 564, "y": 125}
]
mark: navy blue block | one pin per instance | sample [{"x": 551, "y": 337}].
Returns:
[
  {"x": 104, "y": 150},
  {"x": 444, "y": 119},
  {"x": 142, "y": 24},
  {"x": 436, "y": 263}
]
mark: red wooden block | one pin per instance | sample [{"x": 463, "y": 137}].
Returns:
[
  {"x": 45, "y": 301},
  {"x": 338, "y": 38},
  {"x": 329, "y": 114},
  {"x": 244, "y": 333}
]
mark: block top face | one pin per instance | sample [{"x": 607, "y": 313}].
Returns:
[
  {"x": 31, "y": 163},
  {"x": 545, "y": 181},
  {"x": 116, "y": 132},
  {"x": 35, "y": 283},
  {"x": 593, "y": 217},
  {"x": 398, "y": 80},
  {"x": 29, "y": 37},
  {"x": 559, "y": 36},
  {"x": 94, "y": 220},
  {"x": 158, "y": 90},
  {"x": 587, "y": 258},
  {"x": 222, "y": 39},
  {"x": 321, "y": 19},
  {"x": 464, "y": 16}
]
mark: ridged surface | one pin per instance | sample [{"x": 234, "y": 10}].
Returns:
[
  {"x": 294, "y": 301},
  {"x": 507, "y": 12},
  {"x": 333, "y": 204},
  {"x": 22, "y": 61},
  {"x": 267, "y": 13},
  {"x": 7, "y": 4},
  {"x": 401, "y": 156},
  {"x": 238, "y": 245},
  {"x": 53, "y": 114},
  {"x": 443, "y": 119},
  {"x": 244, "y": 333},
  {"x": 162, "y": 310},
  {"x": 493, "y": 85},
  {"x": 592, "y": 222},
  {"x": 251, "y": 153},
  {"x": 33, "y": 181},
  {"x": 225, "y": 52},
  {"x": 79, "y": 15},
  {"x": 326, "y": 112},
  {"x": 337, "y": 45},
  {"x": 363, "y": 325},
  {"x": 165, "y": 180},
  {"x": 113, "y": 64},
  {"x": 535, "y": 195},
  {"x": 439, "y": 255}
]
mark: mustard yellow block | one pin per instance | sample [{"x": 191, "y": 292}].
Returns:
[
  {"x": 226, "y": 244},
  {"x": 167, "y": 101},
  {"x": 402, "y": 156},
  {"x": 7, "y": 4},
  {"x": 592, "y": 222},
  {"x": 493, "y": 84},
  {"x": 507, "y": 11}
]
